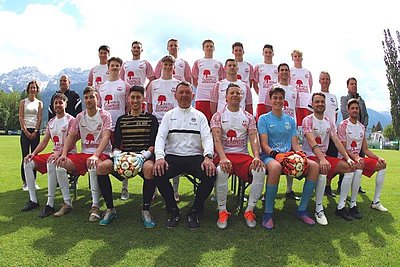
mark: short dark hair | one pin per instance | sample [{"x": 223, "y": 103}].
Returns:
[
  {"x": 207, "y": 41},
  {"x": 283, "y": 64},
  {"x": 237, "y": 44},
  {"x": 89, "y": 89},
  {"x": 268, "y": 46},
  {"x": 136, "y": 42},
  {"x": 230, "y": 85},
  {"x": 117, "y": 59},
  {"x": 105, "y": 47},
  {"x": 60, "y": 96},
  {"x": 33, "y": 82},
  {"x": 315, "y": 94},
  {"x": 183, "y": 83},
  {"x": 351, "y": 78},
  {"x": 137, "y": 88},
  {"x": 229, "y": 60},
  {"x": 353, "y": 101},
  {"x": 276, "y": 89}
]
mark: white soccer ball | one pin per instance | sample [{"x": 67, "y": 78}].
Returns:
[
  {"x": 295, "y": 165},
  {"x": 126, "y": 165}
]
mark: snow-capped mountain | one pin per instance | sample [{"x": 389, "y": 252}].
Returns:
[{"x": 18, "y": 79}]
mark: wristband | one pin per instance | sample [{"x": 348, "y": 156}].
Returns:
[
  {"x": 273, "y": 153},
  {"x": 146, "y": 154},
  {"x": 315, "y": 146}
]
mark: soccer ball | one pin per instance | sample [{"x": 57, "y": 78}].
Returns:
[
  {"x": 127, "y": 165},
  {"x": 294, "y": 165}
]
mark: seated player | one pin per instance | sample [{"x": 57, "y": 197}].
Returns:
[
  {"x": 93, "y": 127},
  {"x": 318, "y": 129},
  {"x": 278, "y": 135},
  {"x": 232, "y": 128},
  {"x": 134, "y": 132},
  {"x": 56, "y": 131},
  {"x": 352, "y": 134}
]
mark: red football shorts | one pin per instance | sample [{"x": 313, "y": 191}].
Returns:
[{"x": 240, "y": 165}]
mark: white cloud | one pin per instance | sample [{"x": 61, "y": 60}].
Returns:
[{"x": 343, "y": 38}]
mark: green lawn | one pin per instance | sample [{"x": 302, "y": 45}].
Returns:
[{"x": 26, "y": 240}]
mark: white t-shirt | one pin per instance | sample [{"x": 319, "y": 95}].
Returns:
[
  {"x": 90, "y": 130},
  {"x": 98, "y": 75},
  {"x": 352, "y": 134},
  {"x": 235, "y": 128},
  {"x": 245, "y": 72},
  {"x": 161, "y": 94},
  {"x": 332, "y": 106},
  {"x": 301, "y": 79},
  {"x": 265, "y": 75},
  {"x": 322, "y": 130},
  {"x": 218, "y": 94},
  {"x": 58, "y": 129},
  {"x": 208, "y": 71},
  {"x": 114, "y": 97},
  {"x": 135, "y": 72}
]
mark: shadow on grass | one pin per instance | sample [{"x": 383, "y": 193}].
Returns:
[{"x": 127, "y": 241}]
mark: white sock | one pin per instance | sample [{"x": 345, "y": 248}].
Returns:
[
  {"x": 175, "y": 183},
  {"x": 354, "y": 187},
  {"x": 256, "y": 188},
  {"x": 319, "y": 192},
  {"x": 51, "y": 183},
  {"x": 289, "y": 183},
  {"x": 344, "y": 189},
  {"x": 380, "y": 178},
  {"x": 62, "y": 178},
  {"x": 94, "y": 187},
  {"x": 221, "y": 186},
  {"x": 30, "y": 179},
  {"x": 125, "y": 184}
]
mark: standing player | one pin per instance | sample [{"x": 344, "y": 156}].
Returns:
[
  {"x": 56, "y": 130},
  {"x": 245, "y": 71},
  {"x": 74, "y": 105},
  {"x": 331, "y": 112},
  {"x": 289, "y": 108},
  {"x": 182, "y": 70},
  {"x": 232, "y": 128},
  {"x": 265, "y": 75},
  {"x": 318, "y": 129},
  {"x": 278, "y": 135},
  {"x": 99, "y": 73},
  {"x": 352, "y": 134},
  {"x": 160, "y": 98},
  {"x": 114, "y": 97},
  {"x": 137, "y": 70},
  {"x": 93, "y": 127},
  {"x": 301, "y": 79},
  {"x": 184, "y": 145},
  {"x": 218, "y": 93},
  {"x": 134, "y": 132},
  {"x": 205, "y": 73}
]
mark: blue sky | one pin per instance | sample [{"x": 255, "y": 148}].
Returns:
[{"x": 341, "y": 37}]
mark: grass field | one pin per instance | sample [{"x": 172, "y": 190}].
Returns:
[{"x": 26, "y": 240}]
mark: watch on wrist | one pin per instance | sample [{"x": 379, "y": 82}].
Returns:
[{"x": 210, "y": 156}]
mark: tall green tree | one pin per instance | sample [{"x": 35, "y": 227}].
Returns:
[
  {"x": 389, "y": 133},
  {"x": 392, "y": 62}
]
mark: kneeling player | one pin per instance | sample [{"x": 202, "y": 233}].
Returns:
[
  {"x": 56, "y": 131},
  {"x": 352, "y": 134},
  {"x": 278, "y": 135},
  {"x": 232, "y": 127},
  {"x": 134, "y": 132},
  {"x": 93, "y": 127}
]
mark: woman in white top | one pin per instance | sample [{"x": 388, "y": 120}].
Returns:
[{"x": 30, "y": 119}]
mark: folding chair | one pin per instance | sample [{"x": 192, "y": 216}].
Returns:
[{"x": 73, "y": 184}]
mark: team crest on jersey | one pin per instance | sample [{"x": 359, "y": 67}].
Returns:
[
  {"x": 99, "y": 127},
  {"x": 245, "y": 124},
  {"x": 216, "y": 66},
  {"x": 306, "y": 75},
  {"x": 193, "y": 119},
  {"x": 173, "y": 89},
  {"x": 64, "y": 129},
  {"x": 142, "y": 66},
  {"x": 180, "y": 65},
  {"x": 119, "y": 88},
  {"x": 287, "y": 125}
]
